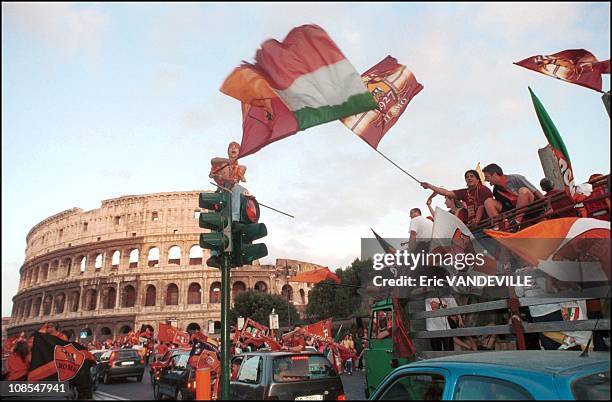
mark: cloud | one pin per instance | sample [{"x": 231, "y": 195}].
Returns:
[
  {"x": 520, "y": 20},
  {"x": 10, "y": 284},
  {"x": 64, "y": 28}
]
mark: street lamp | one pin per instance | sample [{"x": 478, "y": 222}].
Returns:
[{"x": 211, "y": 327}]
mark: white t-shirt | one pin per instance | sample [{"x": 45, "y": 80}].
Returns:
[
  {"x": 423, "y": 228},
  {"x": 537, "y": 289},
  {"x": 438, "y": 323}
]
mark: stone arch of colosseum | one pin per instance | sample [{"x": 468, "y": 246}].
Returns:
[{"x": 90, "y": 269}]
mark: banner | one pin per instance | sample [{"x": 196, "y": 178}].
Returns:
[
  {"x": 168, "y": 333},
  {"x": 393, "y": 87},
  {"x": 321, "y": 329}
]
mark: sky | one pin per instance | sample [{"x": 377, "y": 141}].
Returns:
[{"x": 101, "y": 100}]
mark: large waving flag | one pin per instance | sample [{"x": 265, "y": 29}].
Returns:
[
  {"x": 569, "y": 249},
  {"x": 577, "y": 66},
  {"x": 393, "y": 86},
  {"x": 557, "y": 144},
  {"x": 298, "y": 83},
  {"x": 54, "y": 359}
]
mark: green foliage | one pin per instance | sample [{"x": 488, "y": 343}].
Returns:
[
  {"x": 329, "y": 300},
  {"x": 258, "y": 306}
]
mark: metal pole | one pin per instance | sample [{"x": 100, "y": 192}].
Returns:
[
  {"x": 287, "y": 278},
  {"x": 397, "y": 166},
  {"x": 225, "y": 330}
]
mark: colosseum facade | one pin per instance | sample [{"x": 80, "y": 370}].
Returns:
[{"x": 135, "y": 260}]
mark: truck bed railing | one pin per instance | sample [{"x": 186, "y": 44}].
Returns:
[{"x": 542, "y": 209}]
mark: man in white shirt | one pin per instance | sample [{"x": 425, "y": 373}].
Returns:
[
  {"x": 421, "y": 230},
  {"x": 439, "y": 323}
]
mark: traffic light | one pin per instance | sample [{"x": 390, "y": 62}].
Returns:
[
  {"x": 245, "y": 231},
  {"x": 219, "y": 221}
]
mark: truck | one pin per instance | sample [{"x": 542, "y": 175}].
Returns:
[{"x": 380, "y": 356}]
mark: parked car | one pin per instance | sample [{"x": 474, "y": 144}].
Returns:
[
  {"x": 517, "y": 375},
  {"x": 284, "y": 375},
  {"x": 156, "y": 367},
  {"x": 120, "y": 363}
]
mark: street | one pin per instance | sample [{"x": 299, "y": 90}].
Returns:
[
  {"x": 129, "y": 389},
  {"x": 126, "y": 389}
]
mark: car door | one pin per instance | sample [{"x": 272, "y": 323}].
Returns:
[
  {"x": 167, "y": 379},
  {"x": 419, "y": 383},
  {"x": 249, "y": 384},
  {"x": 379, "y": 352}
]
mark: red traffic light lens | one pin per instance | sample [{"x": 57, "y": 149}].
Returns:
[{"x": 252, "y": 210}]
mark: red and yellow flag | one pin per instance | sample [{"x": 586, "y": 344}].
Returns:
[
  {"x": 577, "y": 66},
  {"x": 393, "y": 86}
]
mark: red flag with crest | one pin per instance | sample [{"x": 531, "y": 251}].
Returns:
[
  {"x": 393, "y": 87},
  {"x": 577, "y": 66}
]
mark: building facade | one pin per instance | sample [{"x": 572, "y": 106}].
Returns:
[{"x": 134, "y": 261}]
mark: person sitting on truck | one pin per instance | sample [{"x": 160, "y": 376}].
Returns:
[
  {"x": 474, "y": 196},
  {"x": 510, "y": 191}
]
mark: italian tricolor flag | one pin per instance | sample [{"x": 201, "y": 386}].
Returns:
[
  {"x": 293, "y": 85},
  {"x": 556, "y": 143}
]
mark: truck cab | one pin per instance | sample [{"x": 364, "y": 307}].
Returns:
[{"x": 379, "y": 352}]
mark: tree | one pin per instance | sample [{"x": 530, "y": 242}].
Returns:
[
  {"x": 258, "y": 306},
  {"x": 330, "y": 300}
]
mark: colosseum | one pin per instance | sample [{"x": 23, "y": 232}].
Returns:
[{"x": 134, "y": 261}]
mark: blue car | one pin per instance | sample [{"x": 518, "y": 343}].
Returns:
[{"x": 508, "y": 375}]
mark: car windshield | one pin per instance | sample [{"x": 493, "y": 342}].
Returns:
[
  {"x": 127, "y": 354},
  {"x": 595, "y": 387},
  {"x": 301, "y": 367}
]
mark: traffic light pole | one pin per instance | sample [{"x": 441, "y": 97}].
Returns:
[{"x": 225, "y": 328}]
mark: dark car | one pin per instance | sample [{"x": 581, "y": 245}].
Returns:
[
  {"x": 121, "y": 363},
  {"x": 509, "y": 375},
  {"x": 177, "y": 378},
  {"x": 285, "y": 376},
  {"x": 156, "y": 367}
]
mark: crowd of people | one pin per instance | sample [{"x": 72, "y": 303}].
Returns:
[{"x": 474, "y": 205}]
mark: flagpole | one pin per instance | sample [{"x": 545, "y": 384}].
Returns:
[
  {"x": 397, "y": 166},
  {"x": 263, "y": 205}
]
